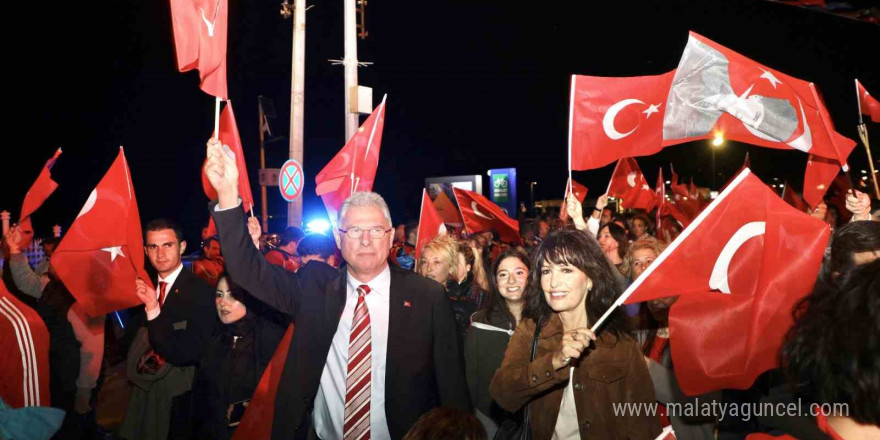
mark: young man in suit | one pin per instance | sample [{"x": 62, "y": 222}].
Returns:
[
  {"x": 373, "y": 349},
  {"x": 180, "y": 318}
]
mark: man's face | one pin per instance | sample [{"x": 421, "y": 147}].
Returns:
[
  {"x": 606, "y": 216},
  {"x": 400, "y": 233},
  {"x": 364, "y": 254},
  {"x": 543, "y": 228},
  {"x": 212, "y": 250},
  {"x": 639, "y": 227},
  {"x": 164, "y": 250}
]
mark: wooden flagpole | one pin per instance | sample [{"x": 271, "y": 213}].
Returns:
[{"x": 863, "y": 135}]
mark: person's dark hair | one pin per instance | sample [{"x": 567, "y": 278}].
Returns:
[
  {"x": 832, "y": 353},
  {"x": 528, "y": 225},
  {"x": 316, "y": 244},
  {"x": 570, "y": 246},
  {"x": 291, "y": 233},
  {"x": 649, "y": 225},
  {"x": 446, "y": 424},
  {"x": 619, "y": 235},
  {"x": 254, "y": 306},
  {"x": 494, "y": 301},
  {"x": 849, "y": 239},
  {"x": 207, "y": 241},
  {"x": 51, "y": 241},
  {"x": 164, "y": 223}
]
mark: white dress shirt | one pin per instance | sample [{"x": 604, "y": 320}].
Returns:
[
  {"x": 153, "y": 314},
  {"x": 329, "y": 411}
]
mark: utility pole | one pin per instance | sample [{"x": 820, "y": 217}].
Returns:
[
  {"x": 350, "y": 63},
  {"x": 264, "y": 212},
  {"x": 297, "y": 95}
]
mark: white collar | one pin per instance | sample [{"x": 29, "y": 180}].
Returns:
[
  {"x": 381, "y": 283},
  {"x": 173, "y": 277}
]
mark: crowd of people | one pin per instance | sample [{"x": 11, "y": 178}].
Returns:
[{"x": 472, "y": 339}]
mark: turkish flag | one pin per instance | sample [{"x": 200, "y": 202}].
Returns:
[
  {"x": 354, "y": 167},
  {"x": 200, "y": 41},
  {"x": 867, "y": 104},
  {"x": 229, "y": 136},
  {"x": 579, "y": 191},
  {"x": 739, "y": 268},
  {"x": 628, "y": 183},
  {"x": 257, "y": 420},
  {"x": 430, "y": 223},
  {"x": 447, "y": 210},
  {"x": 793, "y": 199},
  {"x": 688, "y": 206},
  {"x": 102, "y": 254},
  {"x": 716, "y": 90},
  {"x": 479, "y": 214},
  {"x": 613, "y": 118},
  {"x": 42, "y": 188},
  {"x": 665, "y": 208},
  {"x": 818, "y": 177}
]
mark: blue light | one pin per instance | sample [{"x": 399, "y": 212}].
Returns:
[{"x": 318, "y": 226}]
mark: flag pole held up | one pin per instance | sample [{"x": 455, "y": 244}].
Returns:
[{"x": 217, "y": 118}]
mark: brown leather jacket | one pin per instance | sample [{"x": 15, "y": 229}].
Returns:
[{"x": 612, "y": 372}]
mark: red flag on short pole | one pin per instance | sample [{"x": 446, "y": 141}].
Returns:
[
  {"x": 42, "y": 188},
  {"x": 102, "y": 254},
  {"x": 479, "y": 214},
  {"x": 580, "y": 192},
  {"x": 200, "y": 41},
  {"x": 430, "y": 223},
  {"x": 256, "y": 424},
  {"x": 868, "y": 105},
  {"x": 738, "y": 269},
  {"x": 793, "y": 199},
  {"x": 229, "y": 136},
  {"x": 354, "y": 167},
  {"x": 628, "y": 183}
]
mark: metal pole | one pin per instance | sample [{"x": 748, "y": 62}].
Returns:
[
  {"x": 297, "y": 99},
  {"x": 264, "y": 211},
  {"x": 350, "y": 63}
]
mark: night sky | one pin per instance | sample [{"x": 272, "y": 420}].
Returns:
[{"x": 471, "y": 86}]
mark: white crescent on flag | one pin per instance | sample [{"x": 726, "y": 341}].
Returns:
[
  {"x": 611, "y": 113},
  {"x": 90, "y": 203},
  {"x": 477, "y": 212},
  {"x": 718, "y": 279}
]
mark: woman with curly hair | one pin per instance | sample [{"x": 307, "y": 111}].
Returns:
[{"x": 576, "y": 376}]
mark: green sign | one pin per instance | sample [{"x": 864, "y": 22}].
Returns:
[{"x": 500, "y": 188}]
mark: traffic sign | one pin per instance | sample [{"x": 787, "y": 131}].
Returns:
[{"x": 290, "y": 180}]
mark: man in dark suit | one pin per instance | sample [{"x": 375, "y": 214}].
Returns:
[
  {"x": 373, "y": 349},
  {"x": 180, "y": 318}
]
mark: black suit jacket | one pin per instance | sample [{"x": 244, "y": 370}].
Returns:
[
  {"x": 424, "y": 367},
  {"x": 188, "y": 319}
]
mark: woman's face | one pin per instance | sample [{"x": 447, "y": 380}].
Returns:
[
  {"x": 642, "y": 258},
  {"x": 229, "y": 309},
  {"x": 434, "y": 266},
  {"x": 565, "y": 286},
  {"x": 511, "y": 278},
  {"x": 608, "y": 243},
  {"x": 638, "y": 227}
]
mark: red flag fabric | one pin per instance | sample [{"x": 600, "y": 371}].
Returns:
[
  {"x": 430, "y": 223},
  {"x": 24, "y": 342},
  {"x": 256, "y": 424},
  {"x": 868, "y": 105},
  {"x": 102, "y": 254},
  {"x": 613, "y": 118},
  {"x": 354, "y": 167},
  {"x": 793, "y": 199},
  {"x": 713, "y": 91},
  {"x": 42, "y": 188},
  {"x": 738, "y": 268},
  {"x": 820, "y": 173},
  {"x": 229, "y": 136},
  {"x": 479, "y": 214},
  {"x": 628, "y": 183},
  {"x": 840, "y": 186},
  {"x": 200, "y": 41},
  {"x": 665, "y": 228},
  {"x": 688, "y": 206},
  {"x": 580, "y": 191}
]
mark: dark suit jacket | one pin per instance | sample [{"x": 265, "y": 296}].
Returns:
[
  {"x": 188, "y": 319},
  {"x": 424, "y": 366}
]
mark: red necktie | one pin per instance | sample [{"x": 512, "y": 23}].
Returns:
[
  {"x": 162, "y": 286},
  {"x": 357, "y": 383}
]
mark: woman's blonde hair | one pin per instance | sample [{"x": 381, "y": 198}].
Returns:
[
  {"x": 447, "y": 247},
  {"x": 646, "y": 243}
]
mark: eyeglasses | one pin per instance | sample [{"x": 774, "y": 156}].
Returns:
[
  {"x": 641, "y": 264},
  {"x": 375, "y": 233}
]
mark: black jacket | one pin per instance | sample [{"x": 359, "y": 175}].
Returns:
[
  {"x": 188, "y": 319},
  {"x": 424, "y": 368}
]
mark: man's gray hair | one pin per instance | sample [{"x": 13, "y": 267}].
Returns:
[{"x": 362, "y": 199}]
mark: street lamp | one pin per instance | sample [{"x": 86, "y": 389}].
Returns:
[
  {"x": 532, "y": 195},
  {"x": 717, "y": 142}
]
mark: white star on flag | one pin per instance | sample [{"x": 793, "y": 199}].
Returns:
[
  {"x": 114, "y": 251},
  {"x": 651, "y": 110},
  {"x": 769, "y": 77}
]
